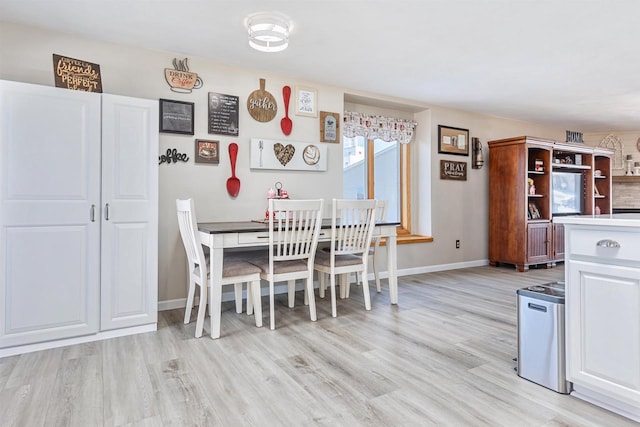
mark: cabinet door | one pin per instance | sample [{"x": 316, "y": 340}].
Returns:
[
  {"x": 558, "y": 242},
  {"x": 603, "y": 329},
  {"x": 49, "y": 189},
  {"x": 538, "y": 242},
  {"x": 129, "y": 212}
]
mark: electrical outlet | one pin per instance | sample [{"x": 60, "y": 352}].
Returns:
[{"x": 457, "y": 244}]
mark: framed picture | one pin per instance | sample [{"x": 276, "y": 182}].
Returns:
[
  {"x": 453, "y": 140},
  {"x": 534, "y": 212},
  {"x": 176, "y": 116},
  {"x": 329, "y": 127},
  {"x": 306, "y": 102},
  {"x": 207, "y": 151}
]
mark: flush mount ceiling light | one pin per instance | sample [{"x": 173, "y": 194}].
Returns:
[{"x": 268, "y": 32}]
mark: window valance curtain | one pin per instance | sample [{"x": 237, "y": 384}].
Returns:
[{"x": 378, "y": 127}]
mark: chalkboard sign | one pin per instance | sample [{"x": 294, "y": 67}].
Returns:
[
  {"x": 176, "y": 116},
  {"x": 223, "y": 114}
]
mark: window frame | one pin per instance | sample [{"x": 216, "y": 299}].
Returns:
[{"x": 404, "y": 229}]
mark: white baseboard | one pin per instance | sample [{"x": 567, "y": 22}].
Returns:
[
  {"x": 28, "y": 348},
  {"x": 282, "y": 288}
]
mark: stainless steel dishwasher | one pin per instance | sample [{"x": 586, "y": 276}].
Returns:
[{"x": 541, "y": 336}]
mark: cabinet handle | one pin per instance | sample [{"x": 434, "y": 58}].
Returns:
[
  {"x": 537, "y": 307},
  {"x": 106, "y": 212},
  {"x": 608, "y": 243},
  {"x": 92, "y": 213}
]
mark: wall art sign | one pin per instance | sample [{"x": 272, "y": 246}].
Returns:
[
  {"x": 76, "y": 74},
  {"x": 176, "y": 116},
  {"x": 172, "y": 155},
  {"x": 179, "y": 77},
  {"x": 223, "y": 114},
  {"x": 262, "y": 106},
  {"x": 207, "y": 151},
  {"x": 329, "y": 127},
  {"x": 573, "y": 136},
  {"x": 453, "y": 140},
  {"x": 453, "y": 170},
  {"x": 281, "y": 155},
  {"x": 306, "y": 102}
]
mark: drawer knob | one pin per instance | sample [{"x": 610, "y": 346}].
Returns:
[{"x": 608, "y": 243}]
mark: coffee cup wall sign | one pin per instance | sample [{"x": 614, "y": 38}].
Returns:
[
  {"x": 287, "y": 155},
  {"x": 180, "y": 79},
  {"x": 261, "y": 104}
]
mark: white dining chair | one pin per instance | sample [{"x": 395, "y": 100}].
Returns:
[
  {"x": 294, "y": 227},
  {"x": 381, "y": 216},
  {"x": 352, "y": 223},
  {"x": 236, "y": 270}
]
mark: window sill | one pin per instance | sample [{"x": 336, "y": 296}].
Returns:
[{"x": 404, "y": 239}]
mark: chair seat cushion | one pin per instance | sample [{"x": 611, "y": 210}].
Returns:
[
  {"x": 238, "y": 267},
  {"x": 280, "y": 267},
  {"x": 324, "y": 259}
]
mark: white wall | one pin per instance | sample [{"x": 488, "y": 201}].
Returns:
[{"x": 459, "y": 208}]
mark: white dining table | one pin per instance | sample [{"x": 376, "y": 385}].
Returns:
[{"x": 219, "y": 236}]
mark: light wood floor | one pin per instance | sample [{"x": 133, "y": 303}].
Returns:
[{"x": 443, "y": 356}]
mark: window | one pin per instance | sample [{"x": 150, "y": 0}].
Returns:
[{"x": 380, "y": 170}]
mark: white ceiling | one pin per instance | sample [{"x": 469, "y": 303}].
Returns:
[{"x": 573, "y": 64}]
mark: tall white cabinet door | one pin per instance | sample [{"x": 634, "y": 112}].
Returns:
[
  {"x": 129, "y": 212},
  {"x": 49, "y": 213}
]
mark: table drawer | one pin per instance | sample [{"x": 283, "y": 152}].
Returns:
[
  {"x": 262, "y": 237},
  {"x": 607, "y": 244},
  {"x": 256, "y": 238}
]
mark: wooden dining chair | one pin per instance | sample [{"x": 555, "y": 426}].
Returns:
[
  {"x": 293, "y": 239},
  {"x": 352, "y": 223},
  {"x": 236, "y": 270}
]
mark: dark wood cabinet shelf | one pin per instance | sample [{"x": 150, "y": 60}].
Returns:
[{"x": 521, "y": 229}]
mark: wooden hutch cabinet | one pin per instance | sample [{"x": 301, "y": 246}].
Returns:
[{"x": 522, "y": 172}]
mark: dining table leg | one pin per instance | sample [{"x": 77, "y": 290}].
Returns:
[
  {"x": 392, "y": 268},
  {"x": 215, "y": 289}
]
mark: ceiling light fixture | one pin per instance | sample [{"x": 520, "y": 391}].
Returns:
[{"x": 268, "y": 32}]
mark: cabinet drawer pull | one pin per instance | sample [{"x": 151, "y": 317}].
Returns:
[
  {"x": 92, "y": 213},
  {"x": 608, "y": 243},
  {"x": 106, "y": 212}
]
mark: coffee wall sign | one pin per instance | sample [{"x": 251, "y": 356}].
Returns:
[
  {"x": 76, "y": 74},
  {"x": 453, "y": 170},
  {"x": 180, "y": 79}
]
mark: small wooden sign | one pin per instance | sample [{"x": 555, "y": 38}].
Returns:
[
  {"x": 76, "y": 74},
  {"x": 453, "y": 170},
  {"x": 261, "y": 104},
  {"x": 329, "y": 127}
]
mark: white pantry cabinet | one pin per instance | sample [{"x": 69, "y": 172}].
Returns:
[
  {"x": 602, "y": 269},
  {"x": 78, "y": 216}
]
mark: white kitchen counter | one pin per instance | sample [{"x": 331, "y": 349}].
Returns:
[
  {"x": 602, "y": 310},
  {"x": 619, "y": 220}
]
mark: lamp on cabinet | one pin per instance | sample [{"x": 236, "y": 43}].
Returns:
[{"x": 478, "y": 156}]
